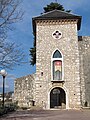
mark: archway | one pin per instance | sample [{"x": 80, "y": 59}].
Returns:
[{"x": 57, "y": 98}]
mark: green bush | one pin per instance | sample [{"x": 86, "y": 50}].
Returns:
[
  {"x": 1, "y": 111},
  {"x": 8, "y": 108}
]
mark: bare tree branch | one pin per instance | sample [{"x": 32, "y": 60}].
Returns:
[
  {"x": 10, "y": 53},
  {"x": 10, "y": 12}
]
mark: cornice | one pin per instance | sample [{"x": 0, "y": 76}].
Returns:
[{"x": 65, "y": 21}]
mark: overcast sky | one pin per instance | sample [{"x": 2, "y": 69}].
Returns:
[{"x": 23, "y": 32}]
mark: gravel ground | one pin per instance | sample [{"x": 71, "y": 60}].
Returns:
[{"x": 48, "y": 115}]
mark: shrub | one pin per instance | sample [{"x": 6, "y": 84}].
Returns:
[
  {"x": 1, "y": 111},
  {"x": 8, "y": 108}
]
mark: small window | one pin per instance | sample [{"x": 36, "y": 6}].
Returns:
[
  {"x": 57, "y": 54},
  {"x": 57, "y": 34},
  {"x": 57, "y": 70}
]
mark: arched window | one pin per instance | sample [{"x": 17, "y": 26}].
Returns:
[
  {"x": 57, "y": 65},
  {"x": 57, "y": 54}
]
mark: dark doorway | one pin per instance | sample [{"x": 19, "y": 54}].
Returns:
[{"x": 57, "y": 98}]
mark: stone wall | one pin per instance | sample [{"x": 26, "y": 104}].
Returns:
[
  {"x": 84, "y": 51},
  {"x": 24, "y": 89},
  {"x": 68, "y": 46}
]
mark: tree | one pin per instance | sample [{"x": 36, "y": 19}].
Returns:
[
  {"x": 50, "y": 7},
  {"x": 53, "y": 6},
  {"x": 33, "y": 52},
  {"x": 10, "y": 53},
  {"x": 9, "y": 13}
]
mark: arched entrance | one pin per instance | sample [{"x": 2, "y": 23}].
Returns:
[{"x": 57, "y": 98}]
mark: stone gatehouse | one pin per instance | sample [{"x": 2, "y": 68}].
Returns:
[{"x": 62, "y": 78}]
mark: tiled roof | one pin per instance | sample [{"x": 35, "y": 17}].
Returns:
[{"x": 58, "y": 14}]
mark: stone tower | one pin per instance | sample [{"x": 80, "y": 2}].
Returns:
[
  {"x": 57, "y": 80},
  {"x": 62, "y": 78}
]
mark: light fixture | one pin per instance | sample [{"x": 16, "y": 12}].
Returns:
[{"x": 4, "y": 74}]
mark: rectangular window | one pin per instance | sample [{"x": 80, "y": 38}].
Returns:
[{"x": 57, "y": 70}]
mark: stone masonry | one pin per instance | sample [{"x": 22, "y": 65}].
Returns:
[
  {"x": 84, "y": 51},
  {"x": 68, "y": 46},
  {"x": 75, "y": 64},
  {"x": 24, "y": 90}
]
